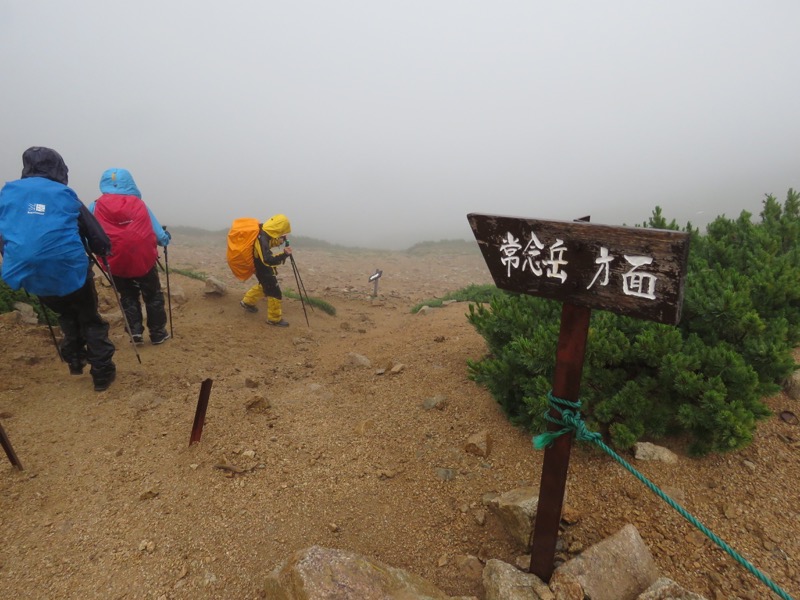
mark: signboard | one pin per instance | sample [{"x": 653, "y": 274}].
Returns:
[{"x": 634, "y": 271}]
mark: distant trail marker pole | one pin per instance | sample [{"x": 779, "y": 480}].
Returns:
[
  {"x": 6, "y": 443},
  {"x": 200, "y": 411},
  {"x": 374, "y": 278},
  {"x": 632, "y": 271}
]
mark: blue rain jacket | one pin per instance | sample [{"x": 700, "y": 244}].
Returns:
[{"x": 42, "y": 247}]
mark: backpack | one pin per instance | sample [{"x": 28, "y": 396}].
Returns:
[
  {"x": 241, "y": 237},
  {"x": 127, "y": 223}
]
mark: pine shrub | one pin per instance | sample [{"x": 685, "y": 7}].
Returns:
[
  {"x": 704, "y": 379},
  {"x": 8, "y": 297}
]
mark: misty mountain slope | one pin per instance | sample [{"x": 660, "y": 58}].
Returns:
[{"x": 303, "y": 445}]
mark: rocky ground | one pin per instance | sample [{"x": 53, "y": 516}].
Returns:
[{"x": 301, "y": 445}]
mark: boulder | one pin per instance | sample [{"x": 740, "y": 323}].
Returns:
[{"x": 318, "y": 573}]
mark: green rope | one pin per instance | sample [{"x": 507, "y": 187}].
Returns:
[{"x": 571, "y": 421}]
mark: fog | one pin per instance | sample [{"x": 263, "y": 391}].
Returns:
[{"x": 384, "y": 123}]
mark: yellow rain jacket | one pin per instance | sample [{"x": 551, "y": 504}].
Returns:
[{"x": 275, "y": 228}]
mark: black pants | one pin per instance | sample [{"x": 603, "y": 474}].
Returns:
[
  {"x": 85, "y": 332},
  {"x": 149, "y": 288},
  {"x": 265, "y": 275}
]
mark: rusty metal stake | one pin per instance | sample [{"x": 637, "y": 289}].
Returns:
[
  {"x": 200, "y": 412},
  {"x": 12, "y": 456}
]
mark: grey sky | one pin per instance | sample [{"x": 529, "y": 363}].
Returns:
[{"x": 383, "y": 123}]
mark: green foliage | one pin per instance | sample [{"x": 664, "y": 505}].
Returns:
[
  {"x": 8, "y": 297},
  {"x": 703, "y": 379},
  {"x": 189, "y": 273},
  {"x": 471, "y": 293},
  {"x": 318, "y": 302}
]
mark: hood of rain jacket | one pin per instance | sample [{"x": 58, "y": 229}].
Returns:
[
  {"x": 277, "y": 226},
  {"x": 38, "y": 161},
  {"x": 119, "y": 181}
]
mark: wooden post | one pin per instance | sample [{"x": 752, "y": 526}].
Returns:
[
  {"x": 200, "y": 411},
  {"x": 6, "y": 443},
  {"x": 637, "y": 272},
  {"x": 566, "y": 385}
]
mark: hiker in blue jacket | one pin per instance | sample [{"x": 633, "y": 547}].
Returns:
[{"x": 46, "y": 233}]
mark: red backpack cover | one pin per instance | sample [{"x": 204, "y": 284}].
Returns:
[{"x": 127, "y": 223}]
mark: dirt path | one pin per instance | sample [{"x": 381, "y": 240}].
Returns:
[{"x": 301, "y": 446}]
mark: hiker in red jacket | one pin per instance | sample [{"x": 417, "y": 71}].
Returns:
[{"x": 135, "y": 232}]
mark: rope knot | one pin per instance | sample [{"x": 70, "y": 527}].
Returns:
[{"x": 569, "y": 419}]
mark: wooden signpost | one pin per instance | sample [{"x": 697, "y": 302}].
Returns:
[
  {"x": 374, "y": 278},
  {"x": 633, "y": 271}
]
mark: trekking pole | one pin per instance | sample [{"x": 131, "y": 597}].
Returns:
[
  {"x": 300, "y": 288},
  {"x": 49, "y": 325},
  {"x": 107, "y": 273},
  {"x": 169, "y": 296}
]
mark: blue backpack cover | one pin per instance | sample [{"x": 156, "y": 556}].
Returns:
[{"x": 42, "y": 248}]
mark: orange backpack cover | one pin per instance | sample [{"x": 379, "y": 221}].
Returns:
[{"x": 241, "y": 237}]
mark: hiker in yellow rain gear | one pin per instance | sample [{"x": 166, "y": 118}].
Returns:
[{"x": 272, "y": 234}]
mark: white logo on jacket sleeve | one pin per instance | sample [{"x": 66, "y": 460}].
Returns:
[{"x": 36, "y": 209}]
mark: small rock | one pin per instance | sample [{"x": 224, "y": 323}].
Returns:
[
  {"x": 364, "y": 426},
  {"x": 214, "y": 287},
  {"x": 479, "y": 444},
  {"x": 358, "y": 360},
  {"x": 259, "y": 404},
  {"x": 437, "y": 402},
  {"x": 445, "y": 474},
  {"x": 648, "y": 451}
]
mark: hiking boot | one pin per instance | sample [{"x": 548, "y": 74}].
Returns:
[
  {"x": 76, "y": 367},
  {"x": 103, "y": 382},
  {"x": 137, "y": 338},
  {"x": 159, "y": 338},
  {"x": 281, "y": 323},
  {"x": 248, "y": 307}
]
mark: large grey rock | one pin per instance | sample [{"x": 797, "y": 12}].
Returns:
[
  {"x": 502, "y": 581},
  {"x": 318, "y": 573},
  {"x": 26, "y": 313},
  {"x": 619, "y": 567},
  {"x": 792, "y": 386}
]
